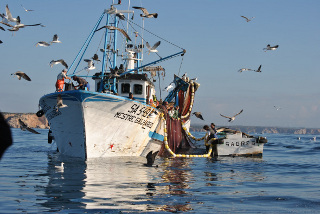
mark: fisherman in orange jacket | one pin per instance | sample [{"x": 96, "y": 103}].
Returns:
[{"x": 60, "y": 80}]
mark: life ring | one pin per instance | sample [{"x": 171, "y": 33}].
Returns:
[
  {"x": 107, "y": 86},
  {"x": 40, "y": 113}
]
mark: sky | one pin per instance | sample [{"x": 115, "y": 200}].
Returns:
[{"x": 218, "y": 42}]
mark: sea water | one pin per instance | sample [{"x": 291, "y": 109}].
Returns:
[{"x": 34, "y": 178}]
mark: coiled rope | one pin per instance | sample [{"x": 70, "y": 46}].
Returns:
[{"x": 179, "y": 155}]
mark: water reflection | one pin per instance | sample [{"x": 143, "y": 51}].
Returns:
[{"x": 125, "y": 184}]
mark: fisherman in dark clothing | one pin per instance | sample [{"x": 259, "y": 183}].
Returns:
[{"x": 82, "y": 83}]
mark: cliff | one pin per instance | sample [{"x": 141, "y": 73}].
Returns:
[{"x": 30, "y": 119}]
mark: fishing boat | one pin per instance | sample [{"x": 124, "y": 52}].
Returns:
[
  {"x": 106, "y": 122},
  {"x": 230, "y": 142}
]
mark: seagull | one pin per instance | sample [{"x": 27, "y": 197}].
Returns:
[
  {"x": 259, "y": 69},
  {"x": 115, "y": 28},
  {"x": 270, "y": 48},
  {"x": 171, "y": 85},
  {"x": 2, "y": 28},
  {"x": 146, "y": 13},
  {"x": 26, "y": 9},
  {"x": 20, "y": 74},
  {"x": 232, "y": 118},
  {"x": 277, "y": 108},
  {"x": 96, "y": 57},
  {"x": 244, "y": 69},
  {"x": 198, "y": 115},
  {"x": 90, "y": 64},
  {"x": 9, "y": 15},
  {"x": 24, "y": 127},
  {"x": 54, "y": 62},
  {"x": 247, "y": 19},
  {"x": 55, "y": 39},
  {"x": 18, "y": 25},
  {"x": 59, "y": 103},
  {"x": 153, "y": 48},
  {"x": 151, "y": 158},
  {"x": 43, "y": 44}
]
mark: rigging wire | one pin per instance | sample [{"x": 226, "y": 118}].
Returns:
[{"x": 181, "y": 64}]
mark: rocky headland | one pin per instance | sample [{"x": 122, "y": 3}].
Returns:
[{"x": 33, "y": 121}]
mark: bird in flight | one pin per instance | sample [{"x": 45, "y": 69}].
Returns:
[
  {"x": 55, "y": 39},
  {"x": 153, "y": 49},
  {"x": 25, "y": 127},
  {"x": 146, "y": 13},
  {"x": 277, "y": 108},
  {"x": 90, "y": 64},
  {"x": 171, "y": 85},
  {"x": 115, "y": 28},
  {"x": 43, "y": 44},
  {"x": 198, "y": 115},
  {"x": 18, "y": 25},
  {"x": 60, "y": 103},
  {"x": 244, "y": 69},
  {"x": 233, "y": 117},
  {"x": 96, "y": 57},
  {"x": 61, "y": 61},
  {"x": 270, "y": 48},
  {"x": 9, "y": 17},
  {"x": 26, "y": 9},
  {"x": 20, "y": 74},
  {"x": 259, "y": 69},
  {"x": 248, "y": 19}
]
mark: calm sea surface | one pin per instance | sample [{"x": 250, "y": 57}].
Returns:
[{"x": 285, "y": 180}]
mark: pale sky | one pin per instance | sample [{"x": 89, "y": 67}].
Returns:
[{"x": 218, "y": 42}]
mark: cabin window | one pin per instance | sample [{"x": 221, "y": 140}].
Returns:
[
  {"x": 137, "y": 89},
  {"x": 125, "y": 88}
]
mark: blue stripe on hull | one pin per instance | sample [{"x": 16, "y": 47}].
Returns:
[{"x": 156, "y": 136}]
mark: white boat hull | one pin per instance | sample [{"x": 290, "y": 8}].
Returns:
[
  {"x": 239, "y": 145},
  {"x": 102, "y": 125}
]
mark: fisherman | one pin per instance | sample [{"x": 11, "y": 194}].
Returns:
[
  {"x": 131, "y": 96},
  {"x": 60, "y": 80},
  {"x": 214, "y": 131},
  {"x": 209, "y": 135},
  {"x": 82, "y": 83}
]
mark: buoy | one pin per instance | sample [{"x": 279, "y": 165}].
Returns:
[{"x": 40, "y": 113}]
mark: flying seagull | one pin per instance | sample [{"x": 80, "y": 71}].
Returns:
[
  {"x": 26, "y": 9},
  {"x": 233, "y": 117},
  {"x": 171, "y": 85},
  {"x": 244, "y": 69},
  {"x": 115, "y": 28},
  {"x": 20, "y": 74},
  {"x": 153, "y": 48},
  {"x": 151, "y": 158},
  {"x": 43, "y": 44},
  {"x": 270, "y": 48},
  {"x": 259, "y": 69},
  {"x": 247, "y": 19},
  {"x": 9, "y": 15},
  {"x": 90, "y": 64},
  {"x": 55, "y": 39},
  {"x": 277, "y": 108},
  {"x": 25, "y": 127},
  {"x": 18, "y": 25},
  {"x": 61, "y": 61},
  {"x": 146, "y": 13},
  {"x": 96, "y": 57},
  {"x": 198, "y": 115},
  {"x": 60, "y": 103}
]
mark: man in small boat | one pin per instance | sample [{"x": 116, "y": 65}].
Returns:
[
  {"x": 60, "y": 80},
  {"x": 82, "y": 83}
]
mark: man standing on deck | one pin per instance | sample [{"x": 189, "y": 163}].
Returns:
[
  {"x": 60, "y": 80},
  {"x": 82, "y": 83}
]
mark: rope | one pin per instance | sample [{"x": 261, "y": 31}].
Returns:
[
  {"x": 179, "y": 155},
  {"x": 189, "y": 134}
]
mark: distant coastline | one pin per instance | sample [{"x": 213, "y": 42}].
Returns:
[{"x": 41, "y": 122}]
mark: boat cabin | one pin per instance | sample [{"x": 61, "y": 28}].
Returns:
[{"x": 139, "y": 85}]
